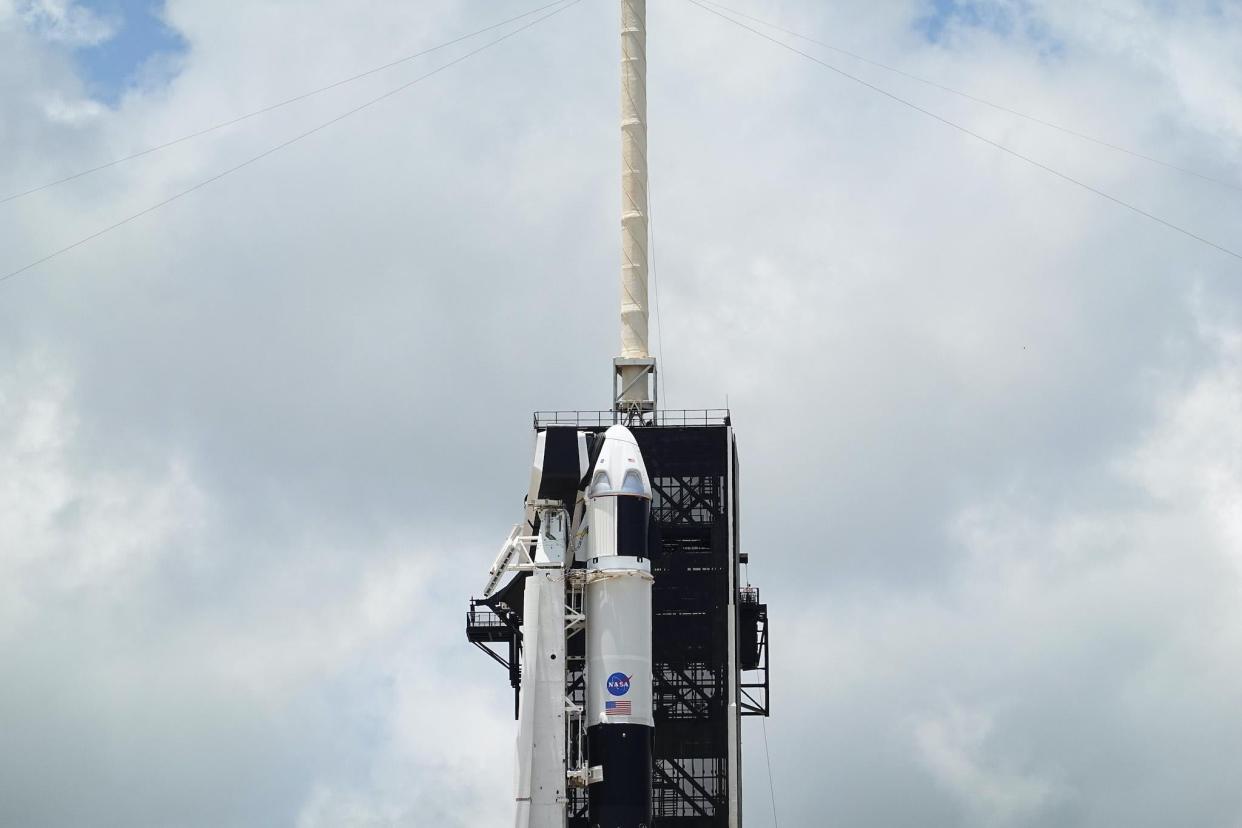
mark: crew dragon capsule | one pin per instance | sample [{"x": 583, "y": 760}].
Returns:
[{"x": 618, "y": 644}]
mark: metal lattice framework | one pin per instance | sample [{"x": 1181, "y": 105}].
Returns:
[
  {"x": 691, "y": 663},
  {"x": 753, "y": 650}
]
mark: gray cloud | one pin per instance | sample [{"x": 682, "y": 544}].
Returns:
[{"x": 257, "y": 449}]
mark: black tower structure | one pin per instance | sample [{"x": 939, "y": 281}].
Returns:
[{"x": 709, "y": 628}]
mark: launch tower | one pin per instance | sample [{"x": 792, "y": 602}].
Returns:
[{"x": 617, "y": 604}]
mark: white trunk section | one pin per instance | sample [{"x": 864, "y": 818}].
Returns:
[
  {"x": 634, "y": 314},
  {"x": 618, "y": 604}
]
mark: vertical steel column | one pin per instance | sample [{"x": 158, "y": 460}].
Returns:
[{"x": 734, "y": 673}]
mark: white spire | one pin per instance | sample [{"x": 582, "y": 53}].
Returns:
[{"x": 634, "y": 306}]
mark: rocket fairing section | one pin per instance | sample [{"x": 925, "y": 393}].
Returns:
[{"x": 620, "y": 723}]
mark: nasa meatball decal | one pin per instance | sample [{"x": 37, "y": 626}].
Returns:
[{"x": 618, "y": 684}]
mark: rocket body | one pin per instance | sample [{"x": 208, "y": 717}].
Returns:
[{"x": 620, "y": 723}]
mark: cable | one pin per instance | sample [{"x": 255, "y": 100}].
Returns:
[
  {"x": 1000, "y": 107},
  {"x": 274, "y": 106},
  {"x": 281, "y": 146},
  {"x": 771, "y": 785},
  {"x": 975, "y": 135}
]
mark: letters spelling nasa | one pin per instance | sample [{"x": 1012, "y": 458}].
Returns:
[{"x": 618, "y": 684}]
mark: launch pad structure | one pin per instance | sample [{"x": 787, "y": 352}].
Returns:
[
  {"x": 710, "y": 649},
  {"x": 617, "y": 604}
]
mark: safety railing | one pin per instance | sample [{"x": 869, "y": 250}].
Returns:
[{"x": 687, "y": 417}]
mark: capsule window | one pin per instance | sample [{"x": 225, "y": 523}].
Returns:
[
  {"x": 601, "y": 483},
  {"x": 633, "y": 483}
]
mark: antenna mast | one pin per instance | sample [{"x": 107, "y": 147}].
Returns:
[{"x": 634, "y": 386}]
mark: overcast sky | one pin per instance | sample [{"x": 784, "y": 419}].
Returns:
[{"x": 257, "y": 449}]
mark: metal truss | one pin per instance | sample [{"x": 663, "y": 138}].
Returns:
[
  {"x": 753, "y": 625},
  {"x": 690, "y": 787},
  {"x": 686, "y": 500},
  {"x": 487, "y": 627}
]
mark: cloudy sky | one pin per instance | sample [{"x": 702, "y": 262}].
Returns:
[{"x": 259, "y": 447}]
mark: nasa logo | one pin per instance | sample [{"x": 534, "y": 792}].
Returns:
[{"x": 618, "y": 684}]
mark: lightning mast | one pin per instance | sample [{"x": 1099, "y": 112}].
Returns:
[{"x": 634, "y": 386}]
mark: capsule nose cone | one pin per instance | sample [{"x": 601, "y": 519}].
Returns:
[
  {"x": 620, "y": 469},
  {"x": 621, "y": 433}
]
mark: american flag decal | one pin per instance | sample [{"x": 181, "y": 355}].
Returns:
[{"x": 617, "y": 708}]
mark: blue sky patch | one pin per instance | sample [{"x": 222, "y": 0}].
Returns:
[
  {"x": 943, "y": 13},
  {"x": 113, "y": 65},
  {"x": 1007, "y": 20}
]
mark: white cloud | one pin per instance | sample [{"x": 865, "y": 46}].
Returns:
[
  {"x": 73, "y": 113},
  {"x": 952, "y": 746},
  {"x": 64, "y": 528},
  {"x": 1073, "y": 655},
  {"x": 1193, "y": 465},
  {"x": 67, "y": 22}
]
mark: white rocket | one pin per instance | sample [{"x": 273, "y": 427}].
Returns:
[
  {"x": 618, "y": 647},
  {"x": 589, "y": 575}
]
